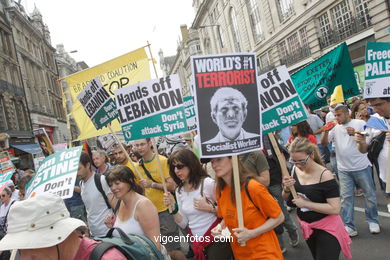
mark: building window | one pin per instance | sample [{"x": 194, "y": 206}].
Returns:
[
  {"x": 21, "y": 120},
  {"x": 195, "y": 49},
  {"x": 303, "y": 36},
  {"x": 361, "y": 7},
  {"x": 294, "y": 48},
  {"x": 293, "y": 43},
  {"x": 235, "y": 31},
  {"x": 342, "y": 19},
  {"x": 221, "y": 38},
  {"x": 286, "y": 9},
  {"x": 254, "y": 15},
  {"x": 265, "y": 63},
  {"x": 282, "y": 48},
  {"x": 325, "y": 29},
  {"x": 13, "y": 109},
  {"x": 3, "y": 117}
]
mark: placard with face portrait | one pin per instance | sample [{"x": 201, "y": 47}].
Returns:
[{"x": 227, "y": 103}]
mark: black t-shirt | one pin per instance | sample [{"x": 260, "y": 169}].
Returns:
[{"x": 317, "y": 192}]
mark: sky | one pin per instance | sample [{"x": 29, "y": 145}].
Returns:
[{"x": 102, "y": 30}]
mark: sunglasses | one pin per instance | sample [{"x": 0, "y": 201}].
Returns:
[
  {"x": 301, "y": 162},
  {"x": 178, "y": 166}
]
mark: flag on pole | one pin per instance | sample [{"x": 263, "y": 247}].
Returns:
[
  {"x": 114, "y": 74},
  {"x": 337, "y": 96}
]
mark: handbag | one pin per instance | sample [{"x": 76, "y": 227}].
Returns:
[{"x": 218, "y": 250}]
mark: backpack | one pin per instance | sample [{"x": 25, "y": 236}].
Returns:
[
  {"x": 99, "y": 187},
  {"x": 375, "y": 147},
  {"x": 132, "y": 246}
]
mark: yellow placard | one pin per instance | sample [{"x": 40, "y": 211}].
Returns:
[
  {"x": 337, "y": 96},
  {"x": 122, "y": 71}
]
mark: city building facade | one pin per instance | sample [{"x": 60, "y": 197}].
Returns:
[
  {"x": 36, "y": 57},
  {"x": 286, "y": 32},
  {"x": 14, "y": 115}
]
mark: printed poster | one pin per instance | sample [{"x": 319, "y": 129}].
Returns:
[{"x": 227, "y": 103}]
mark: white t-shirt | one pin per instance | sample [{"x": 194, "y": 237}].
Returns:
[
  {"x": 198, "y": 221},
  {"x": 95, "y": 205},
  {"x": 347, "y": 154},
  {"x": 329, "y": 117},
  {"x": 382, "y": 158}
]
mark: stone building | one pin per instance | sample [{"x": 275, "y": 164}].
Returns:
[
  {"x": 288, "y": 32},
  {"x": 36, "y": 57},
  {"x": 66, "y": 66},
  {"x": 14, "y": 115}
]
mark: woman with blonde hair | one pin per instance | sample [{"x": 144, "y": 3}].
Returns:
[
  {"x": 261, "y": 213},
  {"x": 318, "y": 202}
]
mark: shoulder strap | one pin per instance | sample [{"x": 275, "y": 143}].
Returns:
[
  {"x": 322, "y": 174},
  {"x": 247, "y": 192},
  {"x": 100, "y": 250},
  {"x": 98, "y": 184},
  {"x": 141, "y": 163},
  {"x": 201, "y": 187},
  {"x": 118, "y": 203}
]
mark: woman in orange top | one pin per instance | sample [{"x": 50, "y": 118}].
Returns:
[{"x": 261, "y": 214}]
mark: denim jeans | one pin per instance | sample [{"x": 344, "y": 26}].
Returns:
[{"x": 348, "y": 181}]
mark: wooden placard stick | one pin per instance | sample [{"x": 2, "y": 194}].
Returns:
[
  {"x": 388, "y": 171},
  {"x": 154, "y": 143},
  {"x": 282, "y": 162},
  {"x": 125, "y": 152},
  {"x": 237, "y": 192}
]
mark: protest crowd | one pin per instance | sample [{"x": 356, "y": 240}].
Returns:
[{"x": 240, "y": 186}]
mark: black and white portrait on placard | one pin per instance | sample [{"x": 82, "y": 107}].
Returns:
[
  {"x": 227, "y": 103},
  {"x": 229, "y": 112}
]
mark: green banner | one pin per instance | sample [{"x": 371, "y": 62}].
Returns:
[
  {"x": 281, "y": 106},
  {"x": 377, "y": 70},
  {"x": 56, "y": 174},
  {"x": 98, "y": 104},
  {"x": 189, "y": 110},
  {"x": 316, "y": 81},
  {"x": 151, "y": 108}
]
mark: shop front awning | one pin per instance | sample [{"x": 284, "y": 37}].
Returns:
[{"x": 28, "y": 148}]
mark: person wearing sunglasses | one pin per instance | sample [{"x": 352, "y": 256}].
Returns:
[
  {"x": 318, "y": 202},
  {"x": 196, "y": 203}
]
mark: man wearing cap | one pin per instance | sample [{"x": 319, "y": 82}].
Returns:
[
  {"x": 93, "y": 199},
  {"x": 354, "y": 169},
  {"x": 41, "y": 228}
]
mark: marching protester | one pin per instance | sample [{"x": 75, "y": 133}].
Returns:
[
  {"x": 121, "y": 158},
  {"x": 75, "y": 204},
  {"x": 354, "y": 168},
  {"x": 152, "y": 183},
  {"x": 316, "y": 123},
  {"x": 136, "y": 214},
  {"x": 275, "y": 188},
  {"x": 302, "y": 129},
  {"x": 256, "y": 163},
  {"x": 22, "y": 186},
  {"x": 381, "y": 106},
  {"x": 261, "y": 213},
  {"x": 41, "y": 228},
  {"x": 196, "y": 204},
  {"x": 318, "y": 202},
  {"x": 6, "y": 203},
  {"x": 98, "y": 201},
  {"x": 99, "y": 160}
]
